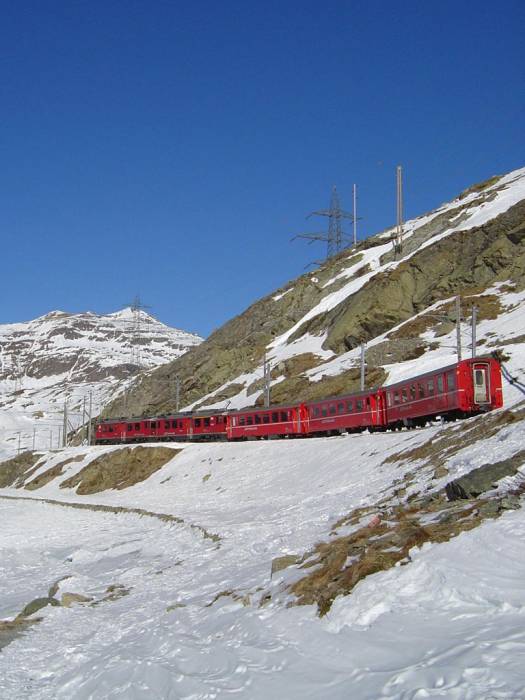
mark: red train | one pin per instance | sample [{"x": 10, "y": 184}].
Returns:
[{"x": 465, "y": 388}]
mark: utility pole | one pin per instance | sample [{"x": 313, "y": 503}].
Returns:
[
  {"x": 362, "y": 366},
  {"x": 355, "y": 215},
  {"x": 59, "y": 437},
  {"x": 399, "y": 226},
  {"x": 64, "y": 428},
  {"x": 34, "y": 439},
  {"x": 458, "y": 326},
  {"x": 177, "y": 393},
  {"x": 89, "y": 417},
  {"x": 84, "y": 427},
  {"x": 474, "y": 322},
  {"x": 267, "y": 379}
]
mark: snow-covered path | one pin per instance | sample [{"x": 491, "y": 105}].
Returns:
[{"x": 450, "y": 625}]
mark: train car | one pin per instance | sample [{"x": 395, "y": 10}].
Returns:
[
  {"x": 109, "y": 432},
  {"x": 353, "y": 412},
  {"x": 253, "y": 423},
  {"x": 465, "y": 388},
  {"x": 207, "y": 426},
  {"x": 461, "y": 389}
]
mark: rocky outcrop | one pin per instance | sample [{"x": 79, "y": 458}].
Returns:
[
  {"x": 484, "y": 478},
  {"x": 119, "y": 469}
]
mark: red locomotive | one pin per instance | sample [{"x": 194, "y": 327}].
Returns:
[{"x": 465, "y": 388}]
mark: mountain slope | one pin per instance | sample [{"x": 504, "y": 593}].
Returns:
[
  {"x": 62, "y": 357},
  {"x": 310, "y": 329}
]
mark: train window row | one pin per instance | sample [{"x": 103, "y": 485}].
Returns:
[
  {"x": 422, "y": 390},
  {"x": 175, "y": 424},
  {"x": 340, "y": 408},
  {"x": 263, "y": 418}
]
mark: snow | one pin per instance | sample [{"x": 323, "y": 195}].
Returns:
[
  {"x": 277, "y": 297},
  {"x": 449, "y": 624}
]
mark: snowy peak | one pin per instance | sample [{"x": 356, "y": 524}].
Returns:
[{"x": 63, "y": 356}]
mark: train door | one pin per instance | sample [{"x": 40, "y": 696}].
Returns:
[
  {"x": 481, "y": 381},
  {"x": 301, "y": 419}
]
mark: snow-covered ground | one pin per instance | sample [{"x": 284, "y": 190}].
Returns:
[{"x": 448, "y": 625}]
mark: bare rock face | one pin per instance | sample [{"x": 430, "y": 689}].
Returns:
[{"x": 483, "y": 478}]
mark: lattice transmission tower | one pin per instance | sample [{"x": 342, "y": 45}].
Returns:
[
  {"x": 137, "y": 308},
  {"x": 336, "y": 238}
]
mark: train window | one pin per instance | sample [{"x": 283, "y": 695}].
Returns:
[
  {"x": 451, "y": 381},
  {"x": 275, "y": 417},
  {"x": 241, "y": 420},
  {"x": 404, "y": 395},
  {"x": 332, "y": 409},
  {"x": 266, "y": 418},
  {"x": 129, "y": 426},
  {"x": 440, "y": 384},
  {"x": 430, "y": 387},
  {"x": 249, "y": 420},
  {"x": 284, "y": 416},
  {"x": 110, "y": 428},
  {"x": 166, "y": 425},
  {"x": 218, "y": 419},
  {"x": 153, "y": 425},
  {"x": 317, "y": 412},
  {"x": 207, "y": 422},
  {"x": 412, "y": 392},
  {"x": 234, "y": 421},
  {"x": 197, "y": 422},
  {"x": 257, "y": 419},
  {"x": 368, "y": 401},
  {"x": 396, "y": 396},
  {"x": 389, "y": 400},
  {"x": 173, "y": 423},
  {"x": 421, "y": 391},
  {"x": 359, "y": 404},
  {"x": 340, "y": 408},
  {"x": 324, "y": 411},
  {"x": 349, "y": 406}
]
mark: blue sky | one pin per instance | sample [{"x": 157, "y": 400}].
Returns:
[{"x": 172, "y": 149}]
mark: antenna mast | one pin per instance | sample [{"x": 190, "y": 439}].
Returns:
[
  {"x": 355, "y": 214},
  {"x": 399, "y": 227}
]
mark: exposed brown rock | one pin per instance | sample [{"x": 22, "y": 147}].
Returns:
[
  {"x": 14, "y": 470},
  {"x": 119, "y": 469}
]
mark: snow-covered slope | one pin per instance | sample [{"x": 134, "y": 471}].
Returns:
[
  {"x": 189, "y": 607},
  {"x": 310, "y": 330},
  {"x": 62, "y": 357}
]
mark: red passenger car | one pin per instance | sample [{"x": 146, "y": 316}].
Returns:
[
  {"x": 277, "y": 421},
  {"x": 465, "y": 388},
  {"x": 339, "y": 414}
]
